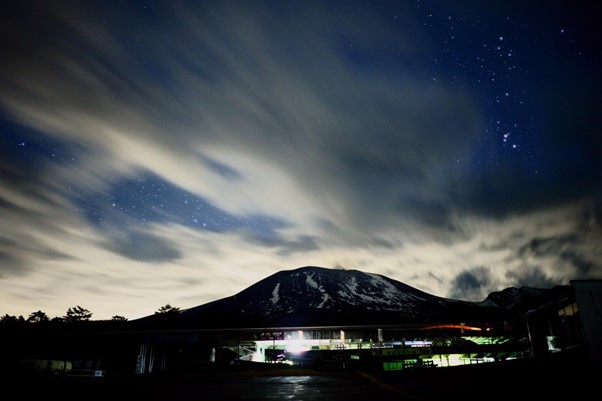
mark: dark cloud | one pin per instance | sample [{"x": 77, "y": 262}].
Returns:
[
  {"x": 471, "y": 283},
  {"x": 15, "y": 254},
  {"x": 413, "y": 138},
  {"x": 10, "y": 264},
  {"x": 144, "y": 247},
  {"x": 583, "y": 266},
  {"x": 379, "y": 242},
  {"x": 303, "y": 244},
  {"x": 223, "y": 169},
  {"x": 567, "y": 251},
  {"x": 547, "y": 246},
  {"x": 533, "y": 277}
]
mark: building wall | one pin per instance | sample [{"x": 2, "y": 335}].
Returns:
[{"x": 588, "y": 295}]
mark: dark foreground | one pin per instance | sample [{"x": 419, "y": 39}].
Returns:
[{"x": 497, "y": 381}]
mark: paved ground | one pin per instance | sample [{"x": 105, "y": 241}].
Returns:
[
  {"x": 495, "y": 381},
  {"x": 343, "y": 386}
]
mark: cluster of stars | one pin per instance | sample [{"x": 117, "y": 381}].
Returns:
[
  {"x": 149, "y": 199},
  {"x": 494, "y": 70}
]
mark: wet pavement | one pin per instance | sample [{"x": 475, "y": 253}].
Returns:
[
  {"x": 331, "y": 387},
  {"x": 494, "y": 381},
  {"x": 307, "y": 388}
]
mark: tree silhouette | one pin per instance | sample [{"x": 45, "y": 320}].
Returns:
[
  {"x": 11, "y": 319},
  {"x": 37, "y": 317},
  {"x": 77, "y": 314},
  {"x": 168, "y": 312},
  {"x": 119, "y": 318}
]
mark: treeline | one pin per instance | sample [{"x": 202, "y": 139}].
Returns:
[{"x": 81, "y": 314}]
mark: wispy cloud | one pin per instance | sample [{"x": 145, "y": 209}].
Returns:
[{"x": 180, "y": 153}]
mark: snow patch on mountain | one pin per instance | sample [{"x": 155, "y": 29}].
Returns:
[
  {"x": 345, "y": 295},
  {"x": 325, "y": 298},
  {"x": 275, "y": 294},
  {"x": 370, "y": 301},
  {"x": 391, "y": 294},
  {"x": 352, "y": 285},
  {"x": 311, "y": 282}
]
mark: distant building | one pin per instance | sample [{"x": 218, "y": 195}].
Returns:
[
  {"x": 567, "y": 322},
  {"x": 563, "y": 323}
]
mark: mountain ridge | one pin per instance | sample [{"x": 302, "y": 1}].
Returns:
[{"x": 319, "y": 296}]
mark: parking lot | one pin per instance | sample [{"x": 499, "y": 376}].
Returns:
[{"x": 490, "y": 380}]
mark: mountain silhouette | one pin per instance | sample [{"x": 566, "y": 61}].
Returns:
[{"x": 318, "y": 296}]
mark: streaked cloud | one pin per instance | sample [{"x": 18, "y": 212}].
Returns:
[{"x": 179, "y": 153}]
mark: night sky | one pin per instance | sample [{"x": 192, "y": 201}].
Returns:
[{"x": 156, "y": 152}]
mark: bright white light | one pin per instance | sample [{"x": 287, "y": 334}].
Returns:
[{"x": 296, "y": 349}]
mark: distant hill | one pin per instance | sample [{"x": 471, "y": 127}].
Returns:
[
  {"x": 514, "y": 299},
  {"x": 317, "y": 296}
]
